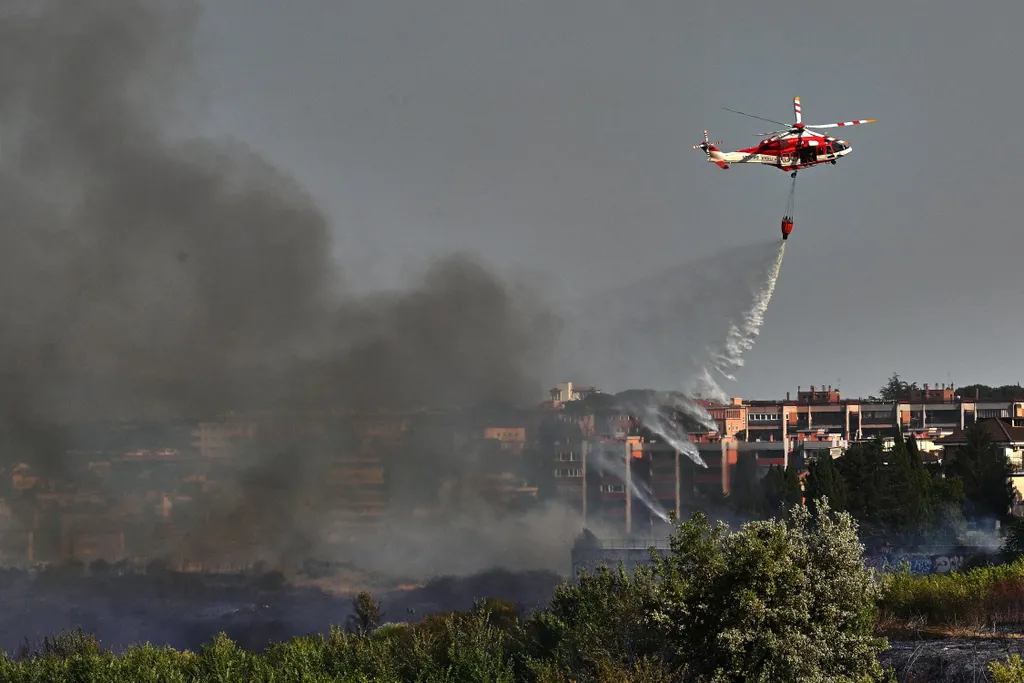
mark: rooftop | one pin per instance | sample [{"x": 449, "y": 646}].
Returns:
[{"x": 999, "y": 430}]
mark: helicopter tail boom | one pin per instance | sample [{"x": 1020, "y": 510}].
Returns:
[{"x": 715, "y": 155}]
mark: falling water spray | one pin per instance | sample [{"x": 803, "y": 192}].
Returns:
[
  {"x": 612, "y": 463},
  {"x": 723, "y": 358},
  {"x": 741, "y": 337},
  {"x": 700, "y": 319}
]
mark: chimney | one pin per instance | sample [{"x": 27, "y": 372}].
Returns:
[
  {"x": 787, "y": 394},
  {"x": 926, "y": 387},
  {"x": 977, "y": 393}
]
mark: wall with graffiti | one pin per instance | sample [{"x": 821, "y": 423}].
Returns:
[{"x": 940, "y": 562}]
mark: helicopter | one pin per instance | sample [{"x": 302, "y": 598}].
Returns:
[{"x": 797, "y": 146}]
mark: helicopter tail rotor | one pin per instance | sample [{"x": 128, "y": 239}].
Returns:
[{"x": 707, "y": 145}]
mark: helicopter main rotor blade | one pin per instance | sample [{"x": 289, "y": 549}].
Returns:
[
  {"x": 736, "y": 111},
  {"x": 842, "y": 123}
]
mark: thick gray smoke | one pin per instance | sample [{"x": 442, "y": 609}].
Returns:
[{"x": 146, "y": 274}]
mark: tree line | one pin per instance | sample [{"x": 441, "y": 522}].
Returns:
[
  {"x": 897, "y": 389},
  {"x": 891, "y": 493}
]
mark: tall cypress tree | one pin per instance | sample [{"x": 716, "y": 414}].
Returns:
[
  {"x": 746, "y": 496},
  {"x": 862, "y": 470},
  {"x": 825, "y": 481},
  {"x": 914, "y": 453},
  {"x": 903, "y": 500},
  {"x": 985, "y": 472},
  {"x": 781, "y": 490}
]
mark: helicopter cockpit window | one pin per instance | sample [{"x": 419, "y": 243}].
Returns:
[{"x": 838, "y": 146}]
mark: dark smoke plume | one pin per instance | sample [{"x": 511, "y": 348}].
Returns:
[{"x": 150, "y": 275}]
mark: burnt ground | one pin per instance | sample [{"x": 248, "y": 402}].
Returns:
[
  {"x": 948, "y": 660},
  {"x": 187, "y": 611}
]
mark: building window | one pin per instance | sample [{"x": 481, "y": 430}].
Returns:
[
  {"x": 613, "y": 488},
  {"x": 763, "y": 417},
  {"x": 568, "y": 456},
  {"x": 568, "y": 473}
]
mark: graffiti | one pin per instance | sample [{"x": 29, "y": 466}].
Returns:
[{"x": 917, "y": 563}]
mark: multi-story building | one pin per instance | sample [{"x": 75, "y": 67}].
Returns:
[{"x": 609, "y": 467}]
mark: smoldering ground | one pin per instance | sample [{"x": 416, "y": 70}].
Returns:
[{"x": 146, "y": 274}]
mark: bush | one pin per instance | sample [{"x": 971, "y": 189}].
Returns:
[
  {"x": 779, "y": 600},
  {"x": 600, "y": 624},
  {"x": 1011, "y": 670},
  {"x": 978, "y": 598}
]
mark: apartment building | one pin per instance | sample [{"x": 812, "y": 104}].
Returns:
[
  {"x": 610, "y": 468},
  {"x": 820, "y": 419}
]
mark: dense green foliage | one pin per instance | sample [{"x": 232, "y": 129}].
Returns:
[
  {"x": 985, "y": 475},
  {"x": 770, "y": 496},
  {"x": 1005, "y": 392},
  {"x": 977, "y": 598},
  {"x": 786, "y": 599},
  {"x": 1011, "y": 670},
  {"x": 895, "y": 389},
  {"x": 891, "y": 493}
]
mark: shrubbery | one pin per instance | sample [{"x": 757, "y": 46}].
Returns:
[
  {"x": 779, "y": 600},
  {"x": 1011, "y": 670},
  {"x": 979, "y": 598}
]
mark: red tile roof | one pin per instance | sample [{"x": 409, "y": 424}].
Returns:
[{"x": 997, "y": 429}]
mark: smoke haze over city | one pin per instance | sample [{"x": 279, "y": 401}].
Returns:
[{"x": 153, "y": 274}]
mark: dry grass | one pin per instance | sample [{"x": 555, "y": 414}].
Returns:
[
  {"x": 902, "y": 630},
  {"x": 976, "y": 601}
]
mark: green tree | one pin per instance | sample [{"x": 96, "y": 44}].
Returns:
[
  {"x": 781, "y": 489},
  {"x": 367, "y": 614},
  {"x": 896, "y": 389},
  {"x": 746, "y": 496},
  {"x": 1013, "y": 544},
  {"x": 902, "y": 503},
  {"x": 985, "y": 472},
  {"x": 775, "y": 601},
  {"x": 942, "y": 497},
  {"x": 825, "y": 481},
  {"x": 914, "y": 453},
  {"x": 1006, "y": 392},
  {"x": 600, "y": 622},
  {"x": 862, "y": 468}
]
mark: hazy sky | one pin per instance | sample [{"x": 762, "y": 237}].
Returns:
[{"x": 556, "y": 137}]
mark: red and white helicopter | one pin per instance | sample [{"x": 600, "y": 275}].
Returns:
[{"x": 795, "y": 147}]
